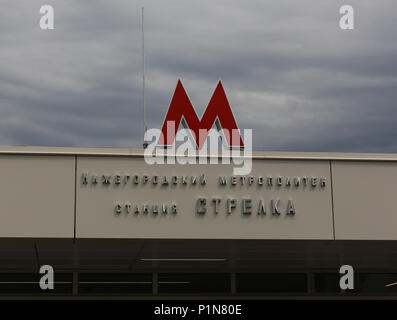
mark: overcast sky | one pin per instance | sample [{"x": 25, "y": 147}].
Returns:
[{"x": 290, "y": 73}]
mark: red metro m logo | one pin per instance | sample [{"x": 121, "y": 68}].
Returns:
[{"x": 218, "y": 111}]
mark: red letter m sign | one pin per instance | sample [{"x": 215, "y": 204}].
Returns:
[{"x": 218, "y": 111}]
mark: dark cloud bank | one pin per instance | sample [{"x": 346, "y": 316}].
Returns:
[{"x": 290, "y": 73}]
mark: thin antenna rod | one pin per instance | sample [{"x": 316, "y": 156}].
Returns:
[{"x": 143, "y": 81}]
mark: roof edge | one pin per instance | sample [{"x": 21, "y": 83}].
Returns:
[{"x": 130, "y": 152}]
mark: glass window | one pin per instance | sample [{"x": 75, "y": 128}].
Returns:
[
  {"x": 379, "y": 283},
  {"x": 115, "y": 283},
  {"x": 194, "y": 283},
  {"x": 328, "y": 283},
  {"x": 29, "y": 284},
  {"x": 271, "y": 283}
]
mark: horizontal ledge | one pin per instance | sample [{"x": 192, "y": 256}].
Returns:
[{"x": 127, "y": 152}]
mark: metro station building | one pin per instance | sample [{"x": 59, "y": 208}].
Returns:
[{"x": 112, "y": 225}]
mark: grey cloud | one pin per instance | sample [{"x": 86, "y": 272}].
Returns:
[{"x": 290, "y": 73}]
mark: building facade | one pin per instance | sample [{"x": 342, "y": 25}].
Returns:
[{"x": 112, "y": 225}]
